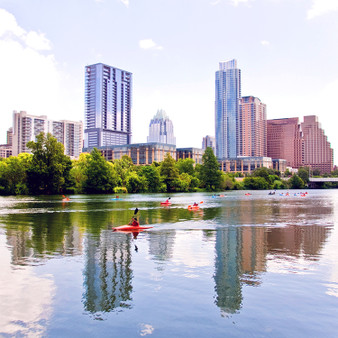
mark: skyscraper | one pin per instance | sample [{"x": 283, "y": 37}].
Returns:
[
  {"x": 161, "y": 129},
  {"x": 285, "y": 141},
  {"x": 318, "y": 153},
  {"x": 228, "y": 95},
  {"x": 108, "y": 100},
  {"x": 252, "y": 127}
]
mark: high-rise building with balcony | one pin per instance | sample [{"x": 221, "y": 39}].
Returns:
[
  {"x": 252, "y": 127},
  {"x": 108, "y": 101},
  {"x": 161, "y": 129},
  {"x": 26, "y": 127},
  {"x": 228, "y": 95},
  {"x": 318, "y": 153},
  {"x": 285, "y": 141}
]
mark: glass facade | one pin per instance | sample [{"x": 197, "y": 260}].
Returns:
[
  {"x": 108, "y": 101},
  {"x": 227, "y": 100}
]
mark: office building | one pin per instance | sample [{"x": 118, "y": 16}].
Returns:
[
  {"x": 285, "y": 141},
  {"x": 318, "y": 153},
  {"x": 195, "y": 154},
  {"x": 26, "y": 127},
  {"x": 161, "y": 129},
  {"x": 227, "y": 100},
  {"x": 108, "y": 100},
  {"x": 140, "y": 153},
  {"x": 252, "y": 127},
  {"x": 209, "y": 141}
]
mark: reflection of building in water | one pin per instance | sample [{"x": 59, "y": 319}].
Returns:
[
  {"x": 107, "y": 274},
  {"x": 240, "y": 255},
  {"x": 161, "y": 245},
  {"x": 297, "y": 240},
  {"x": 228, "y": 287},
  {"x": 253, "y": 254}
]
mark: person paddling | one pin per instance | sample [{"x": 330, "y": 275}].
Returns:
[{"x": 134, "y": 222}]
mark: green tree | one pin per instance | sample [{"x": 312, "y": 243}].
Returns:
[
  {"x": 255, "y": 183},
  {"x": 295, "y": 182},
  {"x": 78, "y": 171},
  {"x": 186, "y": 166},
  {"x": 100, "y": 176},
  {"x": 49, "y": 169},
  {"x": 210, "y": 175},
  {"x": 152, "y": 177},
  {"x": 303, "y": 173},
  {"x": 169, "y": 172},
  {"x": 227, "y": 182},
  {"x": 135, "y": 183},
  {"x": 123, "y": 167}
]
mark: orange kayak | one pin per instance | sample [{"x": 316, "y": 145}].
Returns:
[{"x": 193, "y": 207}]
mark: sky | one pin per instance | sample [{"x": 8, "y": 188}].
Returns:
[{"x": 287, "y": 51}]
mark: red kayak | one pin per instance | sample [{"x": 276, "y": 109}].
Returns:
[
  {"x": 130, "y": 228},
  {"x": 165, "y": 203}
]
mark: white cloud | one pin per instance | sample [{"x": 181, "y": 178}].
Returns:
[
  {"x": 8, "y": 25},
  {"x": 146, "y": 329},
  {"x": 149, "y": 44},
  {"x": 30, "y": 79},
  {"x": 265, "y": 43},
  {"x": 37, "y": 41},
  {"x": 237, "y": 2},
  {"x": 321, "y": 7},
  {"x": 125, "y": 2}
]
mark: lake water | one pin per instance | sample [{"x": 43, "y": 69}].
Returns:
[{"x": 240, "y": 266}]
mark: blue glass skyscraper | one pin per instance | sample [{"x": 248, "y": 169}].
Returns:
[{"x": 228, "y": 95}]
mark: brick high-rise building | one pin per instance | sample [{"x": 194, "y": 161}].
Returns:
[
  {"x": 318, "y": 153},
  {"x": 252, "y": 127},
  {"x": 284, "y": 141}
]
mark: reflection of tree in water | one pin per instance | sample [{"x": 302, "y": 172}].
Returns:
[
  {"x": 37, "y": 236},
  {"x": 107, "y": 274}
]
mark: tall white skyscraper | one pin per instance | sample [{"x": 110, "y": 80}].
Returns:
[
  {"x": 108, "y": 100},
  {"x": 227, "y": 100},
  {"x": 161, "y": 129},
  {"x": 26, "y": 127}
]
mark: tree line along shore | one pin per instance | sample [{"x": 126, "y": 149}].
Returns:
[{"x": 48, "y": 171}]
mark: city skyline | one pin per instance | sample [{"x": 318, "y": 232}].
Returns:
[{"x": 287, "y": 53}]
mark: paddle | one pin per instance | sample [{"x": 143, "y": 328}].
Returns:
[{"x": 135, "y": 213}]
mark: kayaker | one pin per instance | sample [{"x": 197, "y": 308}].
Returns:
[
  {"x": 195, "y": 204},
  {"x": 134, "y": 222}
]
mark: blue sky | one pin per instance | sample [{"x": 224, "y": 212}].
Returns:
[{"x": 287, "y": 51}]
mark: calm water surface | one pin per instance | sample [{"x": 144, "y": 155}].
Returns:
[{"x": 241, "y": 266}]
